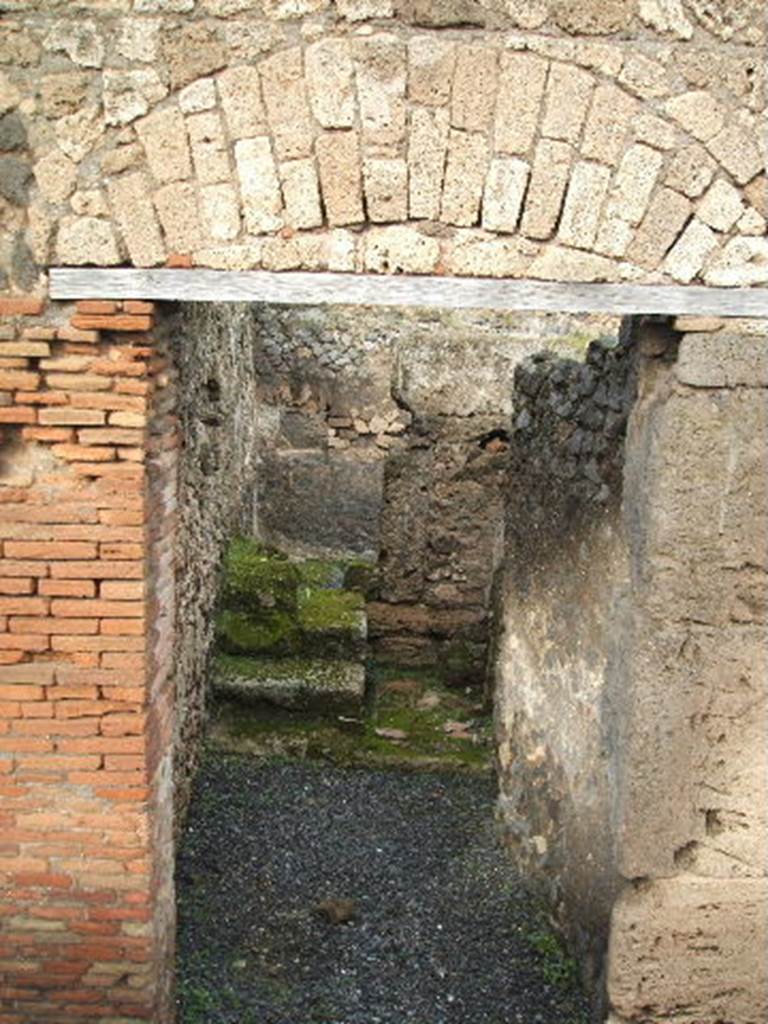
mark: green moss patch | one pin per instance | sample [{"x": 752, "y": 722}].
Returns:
[
  {"x": 273, "y": 632},
  {"x": 257, "y": 579},
  {"x": 330, "y": 610}
]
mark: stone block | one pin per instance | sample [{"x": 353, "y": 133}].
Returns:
[
  {"x": 10, "y": 96},
  {"x": 743, "y": 263},
  {"x": 593, "y": 17},
  {"x": 130, "y": 94},
  {"x": 655, "y": 131},
  {"x": 647, "y": 78},
  {"x": 221, "y": 211},
  {"x": 721, "y": 207},
  {"x": 322, "y": 502},
  {"x": 736, "y": 148},
  {"x": 122, "y": 159},
  {"x": 330, "y": 81},
  {"x": 285, "y": 97},
  {"x": 475, "y": 83},
  {"x": 80, "y": 39},
  {"x": 177, "y": 208},
  {"x": 722, "y": 360},
  {"x": 79, "y": 133},
  {"x": 62, "y": 93},
  {"x": 569, "y": 92},
  {"x": 614, "y": 237},
  {"x": 558, "y": 264},
  {"x": 240, "y": 91},
  {"x": 667, "y": 17},
  {"x": 301, "y": 194},
  {"x": 503, "y": 195},
  {"x": 431, "y": 63},
  {"x": 86, "y": 241},
  {"x": 301, "y": 252},
  {"x": 299, "y": 684},
  {"x": 521, "y": 89},
  {"x": 476, "y": 254},
  {"x": 698, "y": 112},
  {"x": 56, "y": 176},
  {"x": 284, "y": 10},
  {"x": 164, "y": 138},
  {"x": 129, "y": 196},
  {"x": 400, "y": 250},
  {"x": 381, "y": 78},
  {"x": 686, "y": 258},
  {"x": 583, "y": 204},
  {"x": 361, "y": 10},
  {"x": 665, "y": 219},
  {"x": 428, "y": 145},
  {"x": 259, "y": 185},
  {"x": 386, "y": 189},
  {"x": 338, "y": 158},
  {"x": 549, "y": 179},
  {"x": 193, "y": 50},
  {"x": 13, "y": 133},
  {"x": 465, "y": 171},
  {"x": 198, "y": 96},
  {"x": 610, "y": 115},
  {"x": 210, "y": 151},
  {"x": 691, "y": 170},
  {"x": 633, "y": 184},
  {"x": 138, "y": 39},
  {"x": 691, "y": 950}
]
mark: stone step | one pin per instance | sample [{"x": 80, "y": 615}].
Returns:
[{"x": 298, "y": 684}]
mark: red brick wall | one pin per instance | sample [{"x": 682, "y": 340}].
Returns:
[{"x": 87, "y": 505}]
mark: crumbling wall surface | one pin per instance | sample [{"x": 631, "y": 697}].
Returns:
[
  {"x": 689, "y": 933},
  {"x": 563, "y": 603},
  {"x": 213, "y": 350}
]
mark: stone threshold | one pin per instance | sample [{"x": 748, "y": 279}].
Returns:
[{"x": 301, "y": 288}]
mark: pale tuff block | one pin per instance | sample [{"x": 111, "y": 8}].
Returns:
[
  {"x": 198, "y": 96},
  {"x": 428, "y": 144},
  {"x": 691, "y": 170},
  {"x": 634, "y": 183},
  {"x": 736, "y": 148},
  {"x": 476, "y": 254},
  {"x": 475, "y": 81},
  {"x": 521, "y": 89},
  {"x": 666, "y": 16},
  {"x": 285, "y": 97},
  {"x": 330, "y": 81},
  {"x": 583, "y": 205},
  {"x": 610, "y": 116},
  {"x": 301, "y": 194},
  {"x": 129, "y": 196},
  {"x": 504, "y": 192},
  {"x": 130, "y": 94},
  {"x": 698, "y": 112},
  {"x": 139, "y": 39},
  {"x": 83, "y": 240},
  {"x": 743, "y": 263},
  {"x": 240, "y": 91},
  {"x": 221, "y": 212},
  {"x": 380, "y": 69},
  {"x": 467, "y": 164},
  {"x": 359, "y": 10},
  {"x": 549, "y": 180},
  {"x": 558, "y": 264},
  {"x": 164, "y": 138},
  {"x": 259, "y": 186},
  {"x": 386, "y": 190},
  {"x": 209, "y": 147},
  {"x": 614, "y": 237},
  {"x": 667, "y": 214},
  {"x": 431, "y": 63},
  {"x": 56, "y": 176},
  {"x": 338, "y": 158},
  {"x": 179, "y": 214},
  {"x": 398, "y": 249},
  {"x": 688, "y": 255},
  {"x": 569, "y": 91},
  {"x": 643, "y": 76},
  {"x": 655, "y": 131},
  {"x": 721, "y": 207}
]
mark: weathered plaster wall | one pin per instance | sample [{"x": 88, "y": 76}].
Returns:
[{"x": 599, "y": 140}]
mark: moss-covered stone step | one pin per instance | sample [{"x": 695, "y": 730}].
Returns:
[
  {"x": 258, "y": 580},
  {"x": 332, "y": 623},
  {"x": 295, "y": 683}
]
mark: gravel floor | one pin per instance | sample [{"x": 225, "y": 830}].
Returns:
[{"x": 445, "y": 933}]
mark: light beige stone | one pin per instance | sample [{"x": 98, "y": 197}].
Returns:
[
  {"x": 691, "y": 170},
  {"x": 549, "y": 180},
  {"x": 360, "y": 10},
  {"x": 288, "y": 9},
  {"x": 139, "y": 39},
  {"x": 465, "y": 171},
  {"x": 198, "y": 96},
  {"x": 242, "y": 256},
  {"x": 39, "y": 233},
  {"x": 602, "y": 57},
  {"x": 80, "y": 39},
  {"x": 743, "y": 263},
  {"x": 122, "y": 159},
  {"x": 79, "y": 133},
  {"x": 302, "y": 252},
  {"x": 341, "y": 250},
  {"x": 475, "y": 83},
  {"x": 598, "y": 17},
  {"x": 209, "y": 147},
  {"x": 179, "y": 213},
  {"x": 164, "y": 138},
  {"x": 752, "y": 223},
  {"x": 259, "y": 185},
  {"x": 240, "y": 91},
  {"x": 90, "y": 202},
  {"x": 221, "y": 211},
  {"x": 521, "y": 89},
  {"x": 226, "y": 8},
  {"x": 654, "y": 131},
  {"x": 248, "y": 39},
  {"x": 569, "y": 91},
  {"x": 385, "y": 183},
  {"x": 130, "y": 94},
  {"x": 477, "y": 254},
  {"x": 338, "y": 158},
  {"x": 644, "y": 76},
  {"x": 431, "y": 63},
  {"x": 504, "y": 192},
  {"x": 687, "y": 257},
  {"x": 556, "y": 263},
  {"x": 721, "y": 207},
  {"x": 86, "y": 241},
  {"x": 10, "y": 96},
  {"x": 428, "y": 145},
  {"x": 56, "y": 176},
  {"x": 330, "y": 81},
  {"x": 736, "y": 148},
  {"x": 610, "y": 116},
  {"x": 301, "y": 194},
  {"x": 163, "y": 6},
  {"x": 698, "y": 324},
  {"x": 381, "y": 79},
  {"x": 613, "y": 237},
  {"x": 285, "y": 97},
  {"x": 699, "y": 113},
  {"x": 666, "y": 16},
  {"x": 527, "y": 13},
  {"x": 135, "y": 214},
  {"x": 667, "y": 213},
  {"x": 400, "y": 250},
  {"x": 634, "y": 183},
  {"x": 63, "y": 93},
  {"x": 583, "y": 204}
]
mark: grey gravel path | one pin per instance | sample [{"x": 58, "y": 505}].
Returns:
[{"x": 444, "y": 928}]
